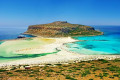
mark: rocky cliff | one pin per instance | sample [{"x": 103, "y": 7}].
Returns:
[{"x": 61, "y": 29}]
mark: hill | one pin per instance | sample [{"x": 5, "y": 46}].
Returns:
[{"x": 61, "y": 29}]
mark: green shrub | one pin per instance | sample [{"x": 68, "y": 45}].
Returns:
[
  {"x": 104, "y": 70},
  {"x": 9, "y": 73},
  {"x": 77, "y": 68},
  {"x": 86, "y": 72},
  {"x": 108, "y": 64},
  {"x": 18, "y": 70},
  {"x": 12, "y": 75},
  {"x": 45, "y": 67},
  {"x": 92, "y": 66},
  {"x": 31, "y": 75},
  {"x": 116, "y": 75},
  {"x": 68, "y": 77},
  {"x": 2, "y": 70},
  {"x": 102, "y": 60},
  {"x": 70, "y": 71},
  {"x": 50, "y": 70},
  {"x": 95, "y": 69},
  {"x": 58, "y": 71},
  {"x": 100, "y": 75},
  {"x": 90, "y": 79},
  {"x": 60, "y": 67},
  {"x": 48, "y": 75},
  {"x": 48, "y": 64},
  {"x": 105, "y": 74},
  {"x": 117, "y": 60},
  {"x": 113, "y": 68},
  {"x": 58, "y": 64},
  {"x": 111, "y": 76}
]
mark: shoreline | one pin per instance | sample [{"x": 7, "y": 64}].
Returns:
[
  {"x": 102, "y": 33},
  {"x": 63, "y": 56}
]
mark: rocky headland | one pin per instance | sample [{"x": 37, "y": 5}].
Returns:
[{"x": 61, "y": 29}]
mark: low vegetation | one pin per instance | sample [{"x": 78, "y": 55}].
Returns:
[{"x": 85, "y": 70}]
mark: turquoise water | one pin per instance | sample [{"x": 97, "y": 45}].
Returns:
[
  {"x": 109, "y": 43},
  {"x": 23, "y": 56},
  {"x": 12, "y": 33},
  {"x": 7, "y": 55}
]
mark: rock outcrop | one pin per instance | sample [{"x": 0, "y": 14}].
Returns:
[{"x": 61, "y": 29}]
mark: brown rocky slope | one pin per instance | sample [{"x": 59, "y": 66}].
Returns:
[{"x": 61, "y": 29}]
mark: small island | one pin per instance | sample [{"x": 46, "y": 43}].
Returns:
[{"x": 61, "y": 29}]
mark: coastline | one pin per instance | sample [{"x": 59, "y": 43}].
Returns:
[{"x": 63, "y": 56}]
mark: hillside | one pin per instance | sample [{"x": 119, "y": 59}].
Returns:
[
  {"x": 61, "y": 29},
  {"x": 85, "y": 70}
]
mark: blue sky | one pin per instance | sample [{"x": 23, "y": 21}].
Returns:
[{"x": 87, "y": 12}]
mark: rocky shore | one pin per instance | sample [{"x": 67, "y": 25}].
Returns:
[{"x": 61, "y": 29}]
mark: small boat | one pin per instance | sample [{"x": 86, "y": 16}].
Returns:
[{"x": 21, "y": 36}]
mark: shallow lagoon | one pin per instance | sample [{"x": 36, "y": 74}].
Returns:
[
  {"x": 8, "y": 48},
  {"x": 109, "y": 43}
]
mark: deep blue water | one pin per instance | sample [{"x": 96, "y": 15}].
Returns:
[
  {"x": 109, "y": 43},
  {"x": 12, "y": 32}
]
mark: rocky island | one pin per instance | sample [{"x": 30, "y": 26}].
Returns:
[{"x": 61, "y": 29}]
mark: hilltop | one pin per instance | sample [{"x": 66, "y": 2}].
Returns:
[{"x": 61, "y": 29}]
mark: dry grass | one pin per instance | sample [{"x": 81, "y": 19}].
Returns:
[{"x": 88, "y": 70}]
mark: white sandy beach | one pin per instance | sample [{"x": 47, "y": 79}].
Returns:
[{"x": 63, "y": 56}]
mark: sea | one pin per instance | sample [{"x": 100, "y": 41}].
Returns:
[
  {"x": 106, "y": 44},
  {"x": 10, "y": 32}
]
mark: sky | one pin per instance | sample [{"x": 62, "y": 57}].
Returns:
[{"x": 86, "y": 12}]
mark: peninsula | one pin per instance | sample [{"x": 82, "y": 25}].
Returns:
[{"x": 61, "y": 29}]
